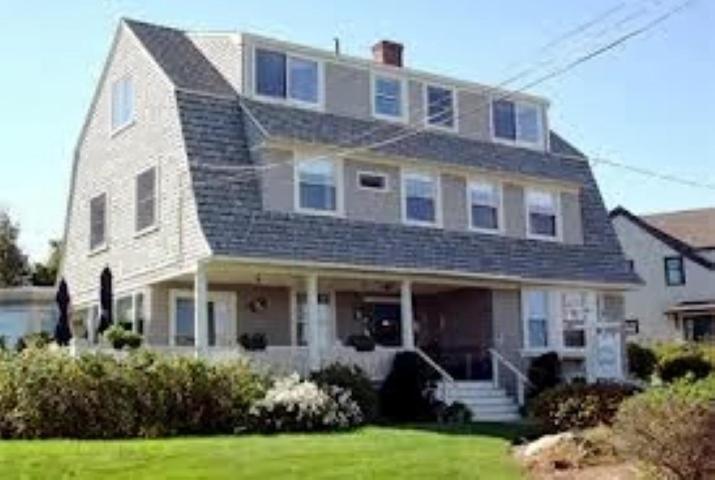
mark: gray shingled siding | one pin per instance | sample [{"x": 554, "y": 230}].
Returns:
[
  {"x": 415, "y": 101},
  {"x": 571, "y": 218},
  {"x": 508, "y": 334},
  {"x": 514, "y": 210},
  {"x": 347, "y": 90},
  {"x": 277, "y": 181},
  {"x": 454, "y": 202},
  {"x": 274, "y": 321},
  {"x": 362, "y": 204},
  {"x": 473, "y": 112}
]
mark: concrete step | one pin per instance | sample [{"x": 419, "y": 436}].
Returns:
[
  {"x": 487, "y": 403},
  {"x": 505, "y": 418}
]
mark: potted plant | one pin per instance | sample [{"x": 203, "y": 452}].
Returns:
[
  {"x": 254, "y": 341},
  {"x": 115, "y": 336},
  {"x": 361, "y": 343}
]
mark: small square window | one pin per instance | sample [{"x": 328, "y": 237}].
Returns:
[
  {"x": 372, "y": 181},
  {"x": 674, "y": 271}
]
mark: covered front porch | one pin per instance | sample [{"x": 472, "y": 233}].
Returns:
[{"x": 299, "y": 319}]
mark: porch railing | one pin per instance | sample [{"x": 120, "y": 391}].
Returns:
[
  {"x": 447, "y": 379},
  {"x": 522, "y": 381}
]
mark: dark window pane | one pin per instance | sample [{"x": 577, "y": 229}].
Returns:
[
  {"x": 420, "y": 209},
  {"x": 574, "y": 338},
  {"x": 377, "y": 182},
  {"x": 484, "y": 217},
  {"x": 543, "y": 224},
  {"x": 674, "y": 273},
  {"x": 184, "y": 322},
  {"x": 317, "y": 197},
  {"x": 145, "y": 198},
  {"x": 303, "y": 80},
  {"x": 270, "y": 73},
  {"x": 504, "y": 120},
  {"x": 538, "y": 333},
  {"x": 440, "y": 106},
  {"x": 388, "y": 97},
  {"x": 97, "y": 220}
]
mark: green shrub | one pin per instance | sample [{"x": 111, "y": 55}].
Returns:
[
  {"x": 544, "y": 372},
  {"x": 671, "y": 429},
  {"x": 354, "y": 380},
  {"x": 641, "y": 361},
  {"x": 45, "y": 393},
  {"x": 682, "y": 363},
  {"x": 119, "y": 336},
  {"x": 579, "y": 406},
  {"x": 33, "y": 340},
  {"x": 407, "y": 394}
]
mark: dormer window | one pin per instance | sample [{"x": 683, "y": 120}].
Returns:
[
  {"x": 387, "y": 101},
  {"x": 287, "y": 77},
  {"x": 518, "y": 122},
  {"x": 439, "y": 103}
]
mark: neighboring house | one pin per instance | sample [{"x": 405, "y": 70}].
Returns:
[
  {"x": 674, "y": 255},
  {"x": 26, "y": 310},
  {"x": 231, "y": 169}
]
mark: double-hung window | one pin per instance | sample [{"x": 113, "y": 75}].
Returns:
[
  {"x": 537, "y": 319},
  {"x": 574, "y": 315},
  {"x": 145, "y": 207},
  {"x": 484, "y": 203},
  {"x": 288, "y": 77},
  {"x": 440, "y": 107},
  {"x": 387, "y": 101},
  {"x": 98, "y": 222},
  {"x": 517, "y": 122},
  {"x": 318, "y": 185},
  {"x": 420, "y": 191},
  {"x": 674, "y": 271},
  {"x": 542, "y": 209},
  {"x": 122, "y": 103}
]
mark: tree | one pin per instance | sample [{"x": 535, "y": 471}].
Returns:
[
  {"x": 13, "y": 263},
  {"x": 45, "y": 274}
]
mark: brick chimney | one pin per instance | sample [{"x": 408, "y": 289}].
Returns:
[{"x": 388, "y": 53}]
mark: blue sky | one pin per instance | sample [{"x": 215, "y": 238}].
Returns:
[{"x": 648, "y": 104}]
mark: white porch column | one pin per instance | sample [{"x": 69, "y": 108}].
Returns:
[
  {"x": 201, "y": 310},
  {"x": 408, "y": 336},
  {"x": 312, "y": 321}
]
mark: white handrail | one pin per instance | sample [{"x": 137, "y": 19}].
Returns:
[
  {"x": 521, "y": 379},
  {"x": 442, "y": 372}
]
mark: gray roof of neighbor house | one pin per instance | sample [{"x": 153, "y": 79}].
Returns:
[{"x": 219, "y": 129}]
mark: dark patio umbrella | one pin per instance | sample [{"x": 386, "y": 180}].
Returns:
[
  {"x": 105, "y": 300},
  {"x": 63, "y": 335}
]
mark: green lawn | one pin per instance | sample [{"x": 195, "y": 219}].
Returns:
[{"x": 479, "y": 451}]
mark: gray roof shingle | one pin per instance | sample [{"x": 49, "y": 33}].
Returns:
[{"x": 219, "y": 131}]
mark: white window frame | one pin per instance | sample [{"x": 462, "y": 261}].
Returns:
[
  {"x": 288, "y": 100},
  {"x": 557, "y": 206},
  {"x": 540, "y": 144},
  {"x": 134, "y": 317},
  {"x": 212, "y": 296},
  {"x": 455, "y": 108},
  {"x": 339, "y": 186},
  {"x": 526, "y": 343},
  {"x": 372, "y": 173},
  {"x": 374, "y": 75},
  {"x": 437, "y": 178},
  {"x": 154, "y": 226},
  {"x": 115, "y": 129},
  {"x": 104, "y": 245},
  {"x": 500, "y": 205}
]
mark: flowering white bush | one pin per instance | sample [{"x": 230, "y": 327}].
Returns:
[{"x": 295, "y": 405}]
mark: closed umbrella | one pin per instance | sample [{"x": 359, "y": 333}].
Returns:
[
  {"x": 63, "y": 334},
  {"x": 105, "y": 300}
]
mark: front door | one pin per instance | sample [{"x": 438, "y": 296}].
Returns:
[{"x": 608, "y": 353}]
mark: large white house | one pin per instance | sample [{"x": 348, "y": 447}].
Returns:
[
  {"x": 674, "y": 255},
  {"x": 238, "y": 185}
]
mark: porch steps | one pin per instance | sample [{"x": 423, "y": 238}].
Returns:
[{"x": 487, "y": 403}]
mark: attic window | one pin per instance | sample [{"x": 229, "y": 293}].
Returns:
[
  {"x": 372, "y": 181},
  {"x": 287, "y": 77},
  {"x": 518, "y": 122},
  {"x": 122, "y": 103}
]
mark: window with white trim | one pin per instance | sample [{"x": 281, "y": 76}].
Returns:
[
  {"x": 98, "y": 221},
  {"x": 484, "y": 205},
  {"x": 574, "y": 317},
  {"x": 517, "y": 121},
  {"x": 317, "y": 185},
  {"x": 122, "y": 103},
  {"x": 146, "y": 201},
  {"x": 542, "y": 210},
  {"x": 537, "y": 319},
  {"x": 130, "y": 312},
  {"x": 279, "y": 75},
  {"x": 387, "y": 97},
  {"x": 440, "y": 106},
  {"x": 420, "y": 203}
]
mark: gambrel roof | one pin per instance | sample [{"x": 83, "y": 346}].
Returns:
[{"x": 223, "y": 130}]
